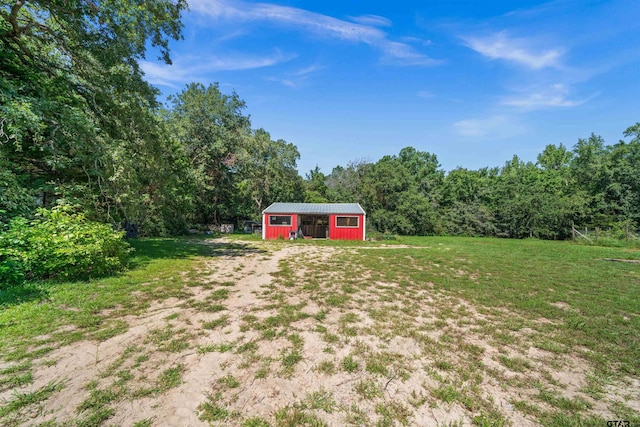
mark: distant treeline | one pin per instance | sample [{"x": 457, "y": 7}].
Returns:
[
  {"x": 79, "y": 124},
  {"x": 592, "y": 185}
]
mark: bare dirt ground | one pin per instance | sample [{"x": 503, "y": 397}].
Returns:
[{"x": 275, "y": 336}]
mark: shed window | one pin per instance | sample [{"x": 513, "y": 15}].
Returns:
[
  {"x": 282, "y": 220},
  {"x": 347, "y": 221}
]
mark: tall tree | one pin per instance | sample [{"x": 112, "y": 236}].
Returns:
[
  {"x": 315, "y": 187},
  {"x": 210, "y": 127},
  {"x": 71, "y": 91},
  {"x": 623, "y": 191},
  {"x": 268, "y": 173},
  {"x": 345, "y": 184}
]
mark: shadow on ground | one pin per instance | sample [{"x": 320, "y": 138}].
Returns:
[{"x": 147, "y": 250}]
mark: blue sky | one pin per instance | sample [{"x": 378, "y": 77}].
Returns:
[{"x": 472, "y": 82}]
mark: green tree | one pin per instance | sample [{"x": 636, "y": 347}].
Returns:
[
  {"x": 315, "y": 187},
  {"x": 267, "y": 173},
  {"x": 467, "y": 202},
  {"x": 210, "y": 128},
  {"x": 345, "y": 184},
  {"x": 402, "y": 193},
  {"x": 623, "y": 190},
  {"x": 73, "y": 103}
]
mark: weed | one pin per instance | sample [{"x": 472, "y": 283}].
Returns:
[
  {"x": 249, "y": 346},
  {"x": 444, "y": 365},
  {"x": 15, "y": 376},
  {"x": 114, "y": 328},
  {"x": 21, "y": 400},
  {"x": 96, "y": 417},
  {"x": 261, "y": 373},
  {"x": 368, "y": 389},
  {"x": 490, "y": 419},
  {"x": 393, "y": 411},
  {"x": 170, "y": 378},
  {"x": 320, "y": 399},
  {"x": 169, "y": 340},
  {"x": 218, "y": 295},
  {"x": 216, "y": 323},
  {"x": 212, "y": 410},
  {"x": 147, "y": 422},
  {"x": 222, "y": 347},
  {"x": 447, "y": 393},
  {"x": 326, "y": 367},
  {"x": 296, "y": 340},
  {"x": 356, "y": 416},
  {"x": 98, "y": 399},
  {"x": 255, "y": 422},
  {"x": 517, "y": 364},
  {"x": 330, "y": 338},
  {"x": 349, "y": 364},
  {"x": 290, "y": 358},
  {"x": 375, "y": 365},
  {"x": 229, "y": 381},
  {"x": 292, "y": 416}
]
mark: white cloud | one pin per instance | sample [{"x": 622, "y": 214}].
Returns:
[
  {"x": 187, "y": 69},
  {"x": 362, "y": 31},
  {"x": 296, "y": 78},
  {"x": 424, "y": 42},
  {"x": 310, "y": 21},
  {"x": 518, "y": 50},
  {"x": 553, "y": 96},
  {"x": 405, "y": 54},
  {"x": 496, "y": 127},
  {"x": 373, "y": 20}
]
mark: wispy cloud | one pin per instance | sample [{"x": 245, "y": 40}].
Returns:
[
  {"x": 372, "y": 20},
  {"x": 518, "y": 50},
  {"x": 554, "y": 96},
  {"x": 404, "y": 54},
  {"x": 496, "y": 127},
  {"x": 296, "y": 78},
  {"x": 363, "y": 30},
  {"x": 187, "y": 69}
]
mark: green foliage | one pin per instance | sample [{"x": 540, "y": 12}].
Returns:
[
  {"x": 60, "y": 244},
  {"x": 91, "y": 131}
]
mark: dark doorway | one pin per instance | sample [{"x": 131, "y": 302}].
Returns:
[{"x": 316, "y": 226}]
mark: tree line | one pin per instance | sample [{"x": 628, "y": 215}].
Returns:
[
  {"x": 80, "y": 125},
  {"x": 591, "y": 184}
]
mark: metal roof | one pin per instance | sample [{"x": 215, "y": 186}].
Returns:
[{"x": 314, "y": 208}]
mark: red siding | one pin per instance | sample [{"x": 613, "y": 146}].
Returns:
[
  {"x": 335, "y": 232},
  {"x": 346, "y": 233},
  {"x": 275, "y": 231}
]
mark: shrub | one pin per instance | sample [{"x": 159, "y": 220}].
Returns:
[{"x": 60, "y": 244}]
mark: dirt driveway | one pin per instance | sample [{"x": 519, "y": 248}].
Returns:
[{"x": 277, "y": 334}]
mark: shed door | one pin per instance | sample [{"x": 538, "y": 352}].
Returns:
[{"x": 316, "y": 226}]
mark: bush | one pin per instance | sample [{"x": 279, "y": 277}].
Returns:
[{"x": 60, "y": 244}]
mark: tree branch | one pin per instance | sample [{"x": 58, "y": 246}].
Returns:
[{"x": 13, "y": 17}]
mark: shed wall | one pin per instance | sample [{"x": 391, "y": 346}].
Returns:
[
  {"x": 342, "y": 233},
  {"x": 275, "y": 231},
  {"x": 335, "y": 232}
]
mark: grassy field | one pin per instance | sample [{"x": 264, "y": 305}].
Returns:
[{"x": 414, "y": 331}]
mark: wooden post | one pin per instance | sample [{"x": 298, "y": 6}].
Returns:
[
  {"x": 597, "y": 229},
  {"x": 573, "y": 231},
  {"x": 627, "y": 232}
]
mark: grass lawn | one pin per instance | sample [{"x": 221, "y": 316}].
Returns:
[{"x": 414, "y": 331}]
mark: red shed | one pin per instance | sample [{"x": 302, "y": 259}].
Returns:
[{"x": 316, "y": 220}]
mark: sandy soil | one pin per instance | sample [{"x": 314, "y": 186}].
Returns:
[{"x": 263, "y": 385}]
